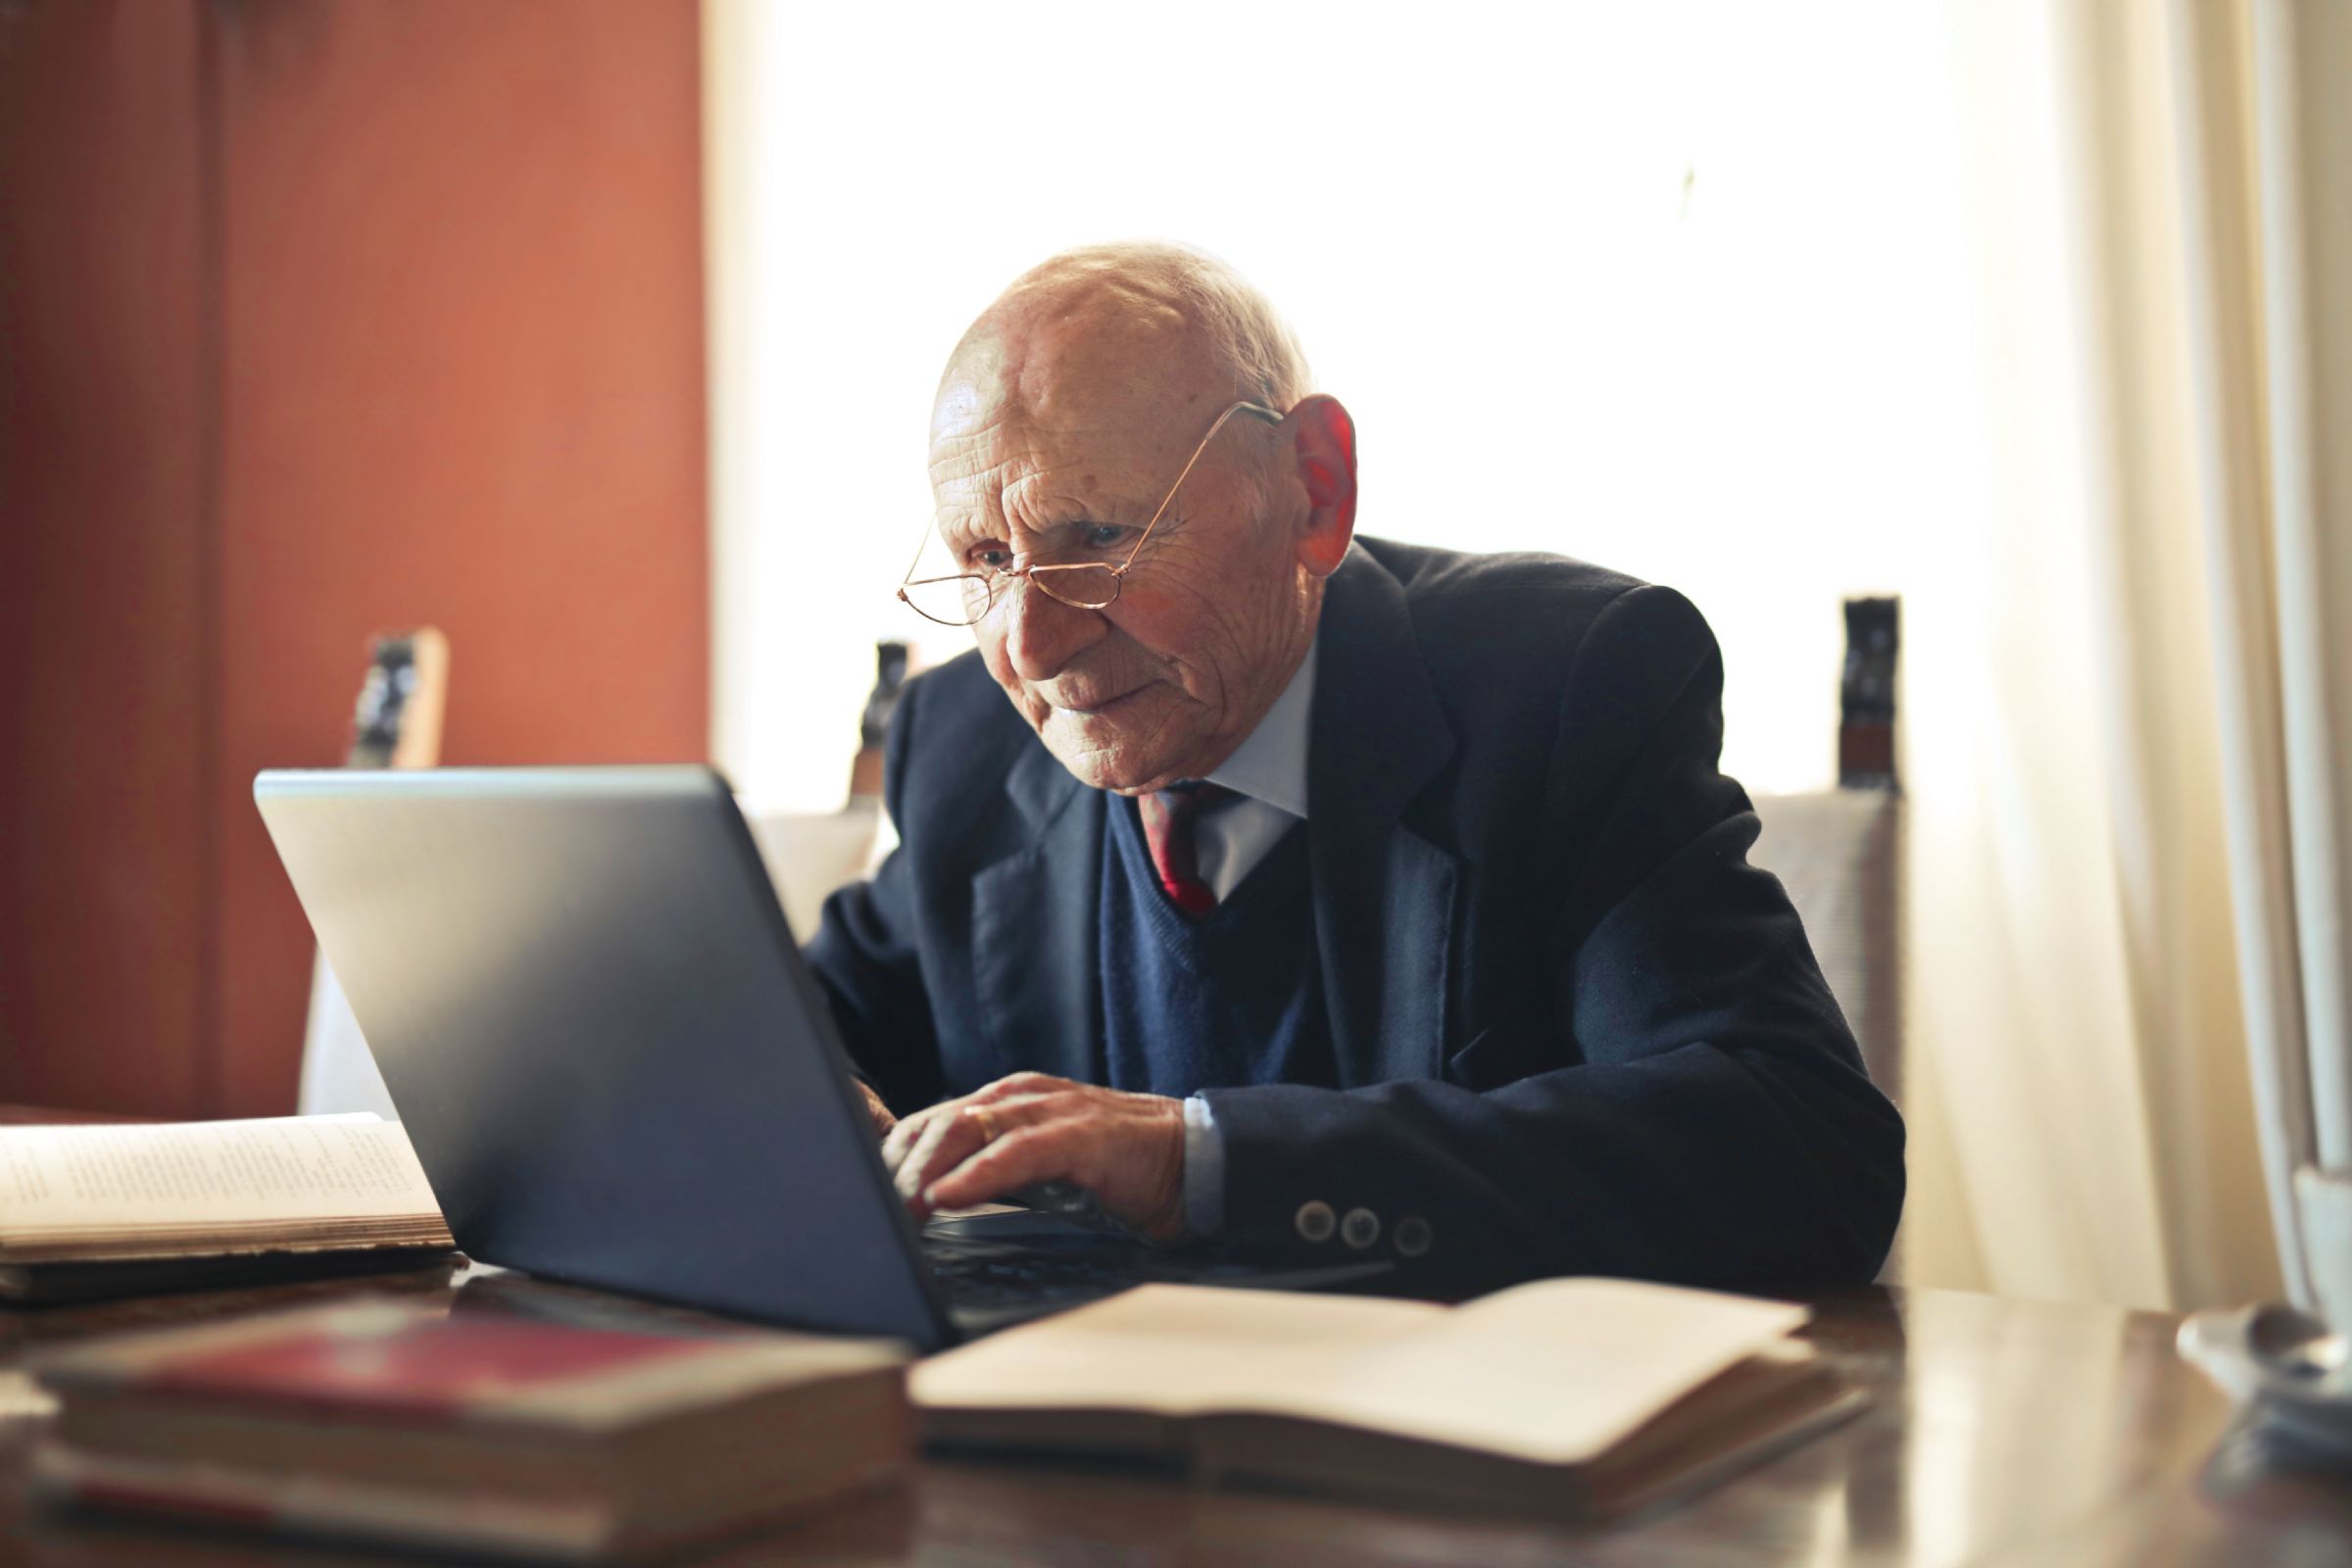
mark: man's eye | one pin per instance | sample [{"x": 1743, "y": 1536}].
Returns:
[
  {"x": 1105, "y": 535},
  {"x": 993, "y": 556}
]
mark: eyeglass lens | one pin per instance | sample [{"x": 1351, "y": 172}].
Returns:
[{"x": 965, "y": 600}]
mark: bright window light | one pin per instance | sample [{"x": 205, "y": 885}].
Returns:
[{"x": 1673, "y": 289}]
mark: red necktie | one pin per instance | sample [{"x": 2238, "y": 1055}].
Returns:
[{"x": 1168, "y": 820}]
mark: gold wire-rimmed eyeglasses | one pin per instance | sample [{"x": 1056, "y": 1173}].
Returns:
[{"x": 965, "y": 598}]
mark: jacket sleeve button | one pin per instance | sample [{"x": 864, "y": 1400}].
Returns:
[
  {"x": 1414, "y": 1235},
  {"x": 1315, "y": 1220},
  {"x": 1361, "y": 1229}
]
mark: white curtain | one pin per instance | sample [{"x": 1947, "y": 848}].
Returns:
[
  {"x": 2268, "y": 128},
  {"x": 2053, "y": 818},
  {"x": 2132, "y": 820}
]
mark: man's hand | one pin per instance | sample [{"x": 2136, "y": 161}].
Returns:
[
  {"x": 884, "y": 1121},
  {"x": 1127, "y": 1149}
]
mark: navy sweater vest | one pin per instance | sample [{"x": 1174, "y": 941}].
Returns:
[{"x": 1230, "y": 999}]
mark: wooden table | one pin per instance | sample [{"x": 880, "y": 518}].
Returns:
[{"x": 2002, "y": 1432}]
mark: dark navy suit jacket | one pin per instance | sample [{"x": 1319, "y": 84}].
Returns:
[{"x": 1576, "y": 1032}]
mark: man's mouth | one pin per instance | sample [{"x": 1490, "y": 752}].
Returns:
[{"x": 1094, "y": 708}]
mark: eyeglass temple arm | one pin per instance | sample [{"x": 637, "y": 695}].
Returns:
[
  {"x": 920, "y": 545},
  {"x": 1259, "y": 410}
]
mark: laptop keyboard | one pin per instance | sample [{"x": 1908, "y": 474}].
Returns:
[
  {"x": 1002, "y": 1268},
  {"x": 980, "y": 1274}
]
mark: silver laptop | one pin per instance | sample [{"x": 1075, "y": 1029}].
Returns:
[{"x": 600, "y": 1034}]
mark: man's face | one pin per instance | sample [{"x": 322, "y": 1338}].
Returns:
[{"x": 1167, "y": 681}]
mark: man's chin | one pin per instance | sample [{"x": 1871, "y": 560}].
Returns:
[
  {"x": 1121, "y": 775},
  {"x": 1107, "y": 764}
]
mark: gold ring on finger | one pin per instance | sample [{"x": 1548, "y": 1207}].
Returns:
[{"x": 987, "y": 1125}]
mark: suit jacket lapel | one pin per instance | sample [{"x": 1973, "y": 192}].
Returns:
[
  {"x": 1384, "y": 895},
  {"x": 1033, "y": 925}
]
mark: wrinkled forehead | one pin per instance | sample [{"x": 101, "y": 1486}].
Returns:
[{"x": 1078, "y": 403}]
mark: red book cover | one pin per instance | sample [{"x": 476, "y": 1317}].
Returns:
[
  {"x": 386, "y": 1360},
  {"x": 423, "y": 1367},
  {"x": 395, "y": 1421}
]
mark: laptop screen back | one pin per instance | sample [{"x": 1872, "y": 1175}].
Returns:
[{"x": 601, "y": 1038}]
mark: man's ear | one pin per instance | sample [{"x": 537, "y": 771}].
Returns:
[{"x": 1323, "y": 440}]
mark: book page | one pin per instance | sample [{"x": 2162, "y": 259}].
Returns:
[
  {"x": 275, "y": 1171},
  {"x": 1556, "y": 1371},
  {"x": 1170, "y": 1350}
]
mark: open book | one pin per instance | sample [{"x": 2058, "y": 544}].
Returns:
[
  {"x": 102, "y": 1210},
  {"x": 1579, "y": 1397}
]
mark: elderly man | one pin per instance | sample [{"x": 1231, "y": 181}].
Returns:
[{"x": 1321, "y": 896}]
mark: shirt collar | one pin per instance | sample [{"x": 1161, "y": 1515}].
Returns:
[{"x": 1271, "y": 764}]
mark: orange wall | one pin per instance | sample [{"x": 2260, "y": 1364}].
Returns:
[
  {"x": 103, "y": 630},
  {"x": 452, "y": 258}
]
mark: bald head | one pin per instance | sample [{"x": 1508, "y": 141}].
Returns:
[
  {"x": 1066, "y": 415},
  {"x": 1116, "y": 325}
]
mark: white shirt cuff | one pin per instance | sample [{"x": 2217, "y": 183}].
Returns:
[{"x": 1204, "y": 1171}]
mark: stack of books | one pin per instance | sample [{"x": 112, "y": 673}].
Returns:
[{"x": 378, "y": 1419}]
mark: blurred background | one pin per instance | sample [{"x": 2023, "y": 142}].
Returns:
[{"x": 601, "y": 334}]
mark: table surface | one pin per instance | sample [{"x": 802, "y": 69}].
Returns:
[{"x": 1999, "y": 1432}]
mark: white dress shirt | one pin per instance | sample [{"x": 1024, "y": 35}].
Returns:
[{"x": 1267, "y": 773}]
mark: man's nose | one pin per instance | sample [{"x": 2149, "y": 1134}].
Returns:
[{"x": 1041, "y": 634}]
